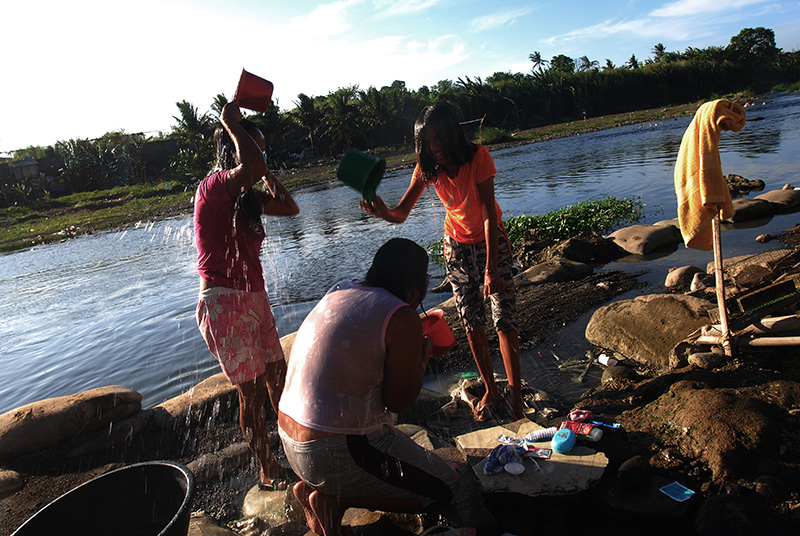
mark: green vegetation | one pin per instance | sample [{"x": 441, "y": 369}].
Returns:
[
  {"x": 559, "y": 97},
  {"x": 46, "y": 220},
  {"x": 597, "y": 215}
]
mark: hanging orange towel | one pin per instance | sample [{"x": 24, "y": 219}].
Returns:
[{"x": 699, "y": 183}]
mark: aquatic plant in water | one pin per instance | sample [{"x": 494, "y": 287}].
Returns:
[{"x": 598, "y": 215}]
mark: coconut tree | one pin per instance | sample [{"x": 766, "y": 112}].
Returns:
[
  {"x": 658, "y": 52},
  {"x": 196, "y": 152},
  {"x": 344, "y": 117},
  {"x": 219, "y": 102},
  {"x": 308, "y": 114},
  {"x": 585, "y": 64},
  {"x": 538, "y": 62}
]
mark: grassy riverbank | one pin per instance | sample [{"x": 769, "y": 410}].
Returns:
[{"x": 51, "y": 220}]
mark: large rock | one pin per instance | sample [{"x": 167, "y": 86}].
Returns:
[
  {"x": 644, "y": 239},
  {"x": 55, "y": 421},
  {"x": 562, "y": 474},
  {"x": 749, "y": 270},
  {"x": 680, "y": 278},
  {"x": 750, "y": 209},
  {"x": 557, "y": 269},
  {"x": 208, "y": 397},
  {"x": 726, "y": 430},
  {"x": 783, "y": 200},
  {"x": 646, "y": 328}
]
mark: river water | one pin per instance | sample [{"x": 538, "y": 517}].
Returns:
[{"x": 118, "y": 307}]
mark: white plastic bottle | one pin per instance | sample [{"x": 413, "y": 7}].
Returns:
[{"x": 545, "y": 434}]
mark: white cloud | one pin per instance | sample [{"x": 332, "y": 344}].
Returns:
[
  {"x": 403, "y": 7},
  {"x": 498, "y": 19},
  {"x": 326, "y": 20},
  {"x": 688, "y": 8}
]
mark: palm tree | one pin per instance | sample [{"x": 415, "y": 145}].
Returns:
[
  {"x": 633, "y": 63},
  {"x": 538, "y": 62},
  {"x": 658, "y": 52},
  {"x": 586, "y": 65},
  {"x": 344, "y": 120},
  {"x": 219, "y": 102},
  {"x": 609, "y": 65},
  {"x": 194, "y": 132},
  {"x": 192, "y": 127},
  {"x": 308, "y": 115}
]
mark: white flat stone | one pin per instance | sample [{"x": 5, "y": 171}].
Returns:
[{"x": 562, "y": 474}]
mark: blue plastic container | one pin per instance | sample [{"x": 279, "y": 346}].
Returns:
[{"x": 563, "y": 441}]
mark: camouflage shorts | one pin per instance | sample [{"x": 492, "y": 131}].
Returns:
[{"x": 465, "y": 269}]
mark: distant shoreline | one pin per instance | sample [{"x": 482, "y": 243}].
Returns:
[{"x": 76, "y": 221}]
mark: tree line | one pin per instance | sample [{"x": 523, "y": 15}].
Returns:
[{"x": 553, "y": 91}]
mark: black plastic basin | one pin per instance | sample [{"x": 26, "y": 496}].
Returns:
[{"x": 144, "y": 499}]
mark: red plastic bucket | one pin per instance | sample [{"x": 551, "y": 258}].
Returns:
[
  {"x": 435, "y": 326},
  {"x": 253, "y": 92}
]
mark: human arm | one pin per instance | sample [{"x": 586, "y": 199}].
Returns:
[
  {"x": 252, "y": 165},
  {"x": 492, "y": 283},
  {"x": 400, "y": 212},
  {"x": 281, "y": 203},
  {"x": 407, "y": 356}
]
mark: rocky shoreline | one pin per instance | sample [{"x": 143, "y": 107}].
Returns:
[{"x": 727, "y": 427}]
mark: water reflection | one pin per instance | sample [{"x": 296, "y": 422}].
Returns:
[{"x": 118, "y": 308}]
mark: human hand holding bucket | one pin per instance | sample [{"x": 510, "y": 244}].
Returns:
[
  {"x": 361, "y": 171},
  {"x": 435, "y": 326},
  {"x": 253, "y": 92}
]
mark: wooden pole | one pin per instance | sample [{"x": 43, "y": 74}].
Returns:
[{"x": 723, "y": 311}]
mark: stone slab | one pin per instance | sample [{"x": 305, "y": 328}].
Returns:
[{"x": 562, "y": 474}]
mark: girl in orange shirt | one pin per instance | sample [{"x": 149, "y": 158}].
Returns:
[{"x": 476, "y": 248}]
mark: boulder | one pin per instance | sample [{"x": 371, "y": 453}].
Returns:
[
  {"x": 646, "y": 328},
  {"x": 644, "y": 239},
  {"x": 749, "y": 270},
  {"x": 783, "y": 200},
  {"x": 205, "y": 399},
  {"x": 557, "y": 269},
  {"x": 728, "y": 431},
  {"x": 55, "y": 421},
  {"x": 10, "y": 481},
  {"x": 208, "y": 397},
  {"x": 703, "y": 281},
  {"x": 751, "y": 209},
  {"x": 681, "y": 278}
]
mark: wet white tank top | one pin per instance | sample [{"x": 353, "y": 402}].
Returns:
[{"x": 335, "y": 371}]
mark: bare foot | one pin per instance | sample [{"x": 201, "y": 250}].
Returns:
[
  {"x": 483, "y": 410},
  {"x": 303, "y": 491},
  {"x": 274, "y": 478},
  {"x": 328, "y": 512}
]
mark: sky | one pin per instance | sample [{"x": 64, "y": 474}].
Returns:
[{"x": 82, "y": 68}]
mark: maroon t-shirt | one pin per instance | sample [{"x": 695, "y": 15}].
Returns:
[{"x": 228, "y": 243}]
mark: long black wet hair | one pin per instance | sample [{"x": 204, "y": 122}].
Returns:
[
  {"x": 226, "y": 159},
  {"x": 401, "y": 267},
  {"x": 455, "y": 144}
]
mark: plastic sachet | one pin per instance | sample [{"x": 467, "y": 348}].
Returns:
[{"x": 500, "y": 456}]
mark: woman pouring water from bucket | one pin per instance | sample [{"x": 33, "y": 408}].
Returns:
[
  {"x": 476, "y": 247},
  {"x": 233, "y": 311}
]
